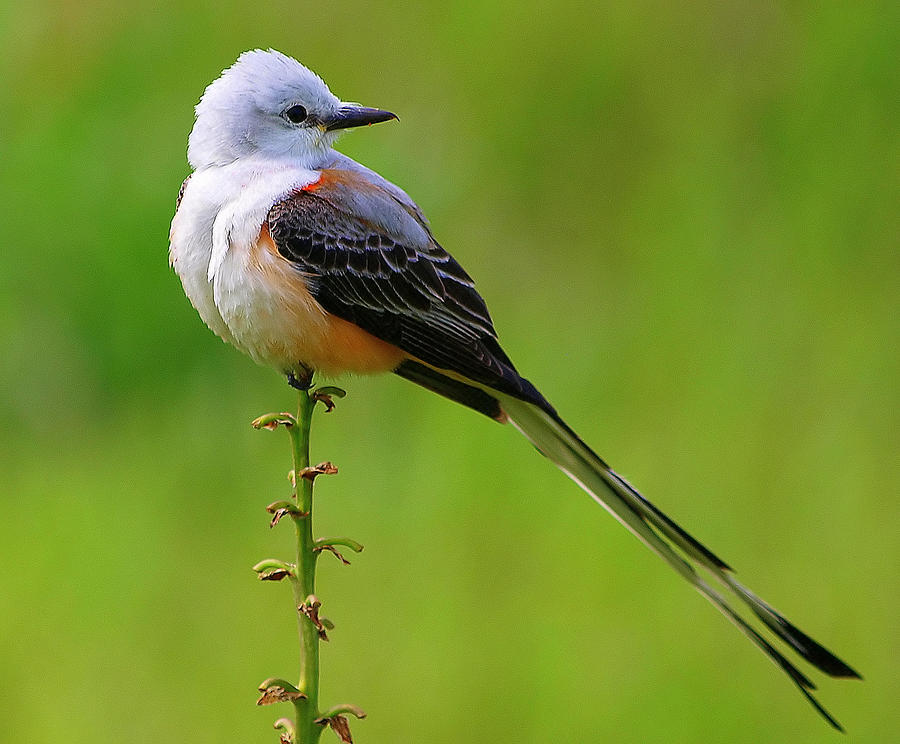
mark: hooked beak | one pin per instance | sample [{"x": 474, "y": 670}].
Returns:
[{"x": 355, "y": 116}]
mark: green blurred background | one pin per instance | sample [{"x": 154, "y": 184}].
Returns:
[{"x": 683, "y": 216}]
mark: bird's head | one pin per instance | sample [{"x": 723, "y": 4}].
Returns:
[{"x": 270, "y": 105}]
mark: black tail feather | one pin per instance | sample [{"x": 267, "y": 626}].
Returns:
[
  {"x": 433, "y": 380},
  {"x": 537, "y": 419}
]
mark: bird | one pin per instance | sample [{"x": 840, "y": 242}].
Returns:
[{"x": 312, "y": 263}]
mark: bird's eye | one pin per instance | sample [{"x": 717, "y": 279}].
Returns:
[{"x": 295, "y": 114}]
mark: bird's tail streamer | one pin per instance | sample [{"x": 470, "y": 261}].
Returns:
[{"x": 553, "y": 438}]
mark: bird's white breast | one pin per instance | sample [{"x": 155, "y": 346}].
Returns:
[{"x": 212, "y": 249}]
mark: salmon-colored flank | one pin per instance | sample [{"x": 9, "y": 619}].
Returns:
[
  {"x": 308, "y": 333},
  {"x": 315, "y": 184},
  {"x": 331, "y": 178},
  {"x": 348, "y": 348}
]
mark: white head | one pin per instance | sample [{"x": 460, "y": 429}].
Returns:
[{"x": 269, "y": 104}]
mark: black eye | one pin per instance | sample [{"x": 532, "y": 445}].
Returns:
[{"x": 295, "y": 114}]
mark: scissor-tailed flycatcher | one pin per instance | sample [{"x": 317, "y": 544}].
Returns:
[{"x": 308, "y": 261}]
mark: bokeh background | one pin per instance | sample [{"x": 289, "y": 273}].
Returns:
[{"x": 683, "y": 216}]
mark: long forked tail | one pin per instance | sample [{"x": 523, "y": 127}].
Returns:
[{"x": 669, "y": 541}]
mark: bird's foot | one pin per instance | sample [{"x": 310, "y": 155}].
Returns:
[{"x": 302, "y": 380}]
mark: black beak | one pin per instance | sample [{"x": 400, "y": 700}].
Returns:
[{"x": 356, "y": 116}]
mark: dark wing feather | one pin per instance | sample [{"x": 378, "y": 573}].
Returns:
[{"x": 419, "y": 299}]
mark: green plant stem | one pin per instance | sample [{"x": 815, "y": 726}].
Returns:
[
  {"x": 304, "y": 583},
  {"x": 302, "y": 575}
]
